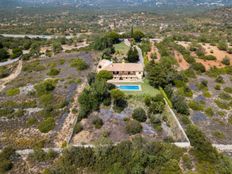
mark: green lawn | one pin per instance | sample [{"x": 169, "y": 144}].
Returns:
[
  {"x": 121, "y": 48},
  {"x": 146, "y": 89}
]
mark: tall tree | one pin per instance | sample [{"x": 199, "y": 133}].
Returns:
[
  {"x": 4, "y": 55},
  {"x": 138, "y": 35},
  {"x": 133, "y": 55}
]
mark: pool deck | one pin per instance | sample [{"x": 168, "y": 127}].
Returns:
[{"x": 129, "y": 87}]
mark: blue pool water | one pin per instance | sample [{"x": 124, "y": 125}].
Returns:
[{"x": 129, "y": 87}]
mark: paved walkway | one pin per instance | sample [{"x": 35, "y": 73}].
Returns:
[
  {"x": 220, "y": 147},
  {"x": 9, "y": 62},
  {"x": 141, "y": 59},
  {"x": 127, "y": 42},
  {"x": 33, "y": 36}
]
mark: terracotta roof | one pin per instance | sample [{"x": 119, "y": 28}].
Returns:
[{"x": 124, "y": 67}]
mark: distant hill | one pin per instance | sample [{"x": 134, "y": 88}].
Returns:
[
  {"x": 118, "y": 3},
  {"x": 221, "y": 15}
]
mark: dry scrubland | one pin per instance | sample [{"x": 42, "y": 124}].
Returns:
[
  {"x": 35, "y": 104},
  {"x": 209, "y": 50}
]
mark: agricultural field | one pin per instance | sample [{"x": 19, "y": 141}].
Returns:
[{"x": 35, "y": 104}]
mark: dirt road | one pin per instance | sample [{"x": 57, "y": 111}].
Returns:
[{"x": 11, "y": 77}]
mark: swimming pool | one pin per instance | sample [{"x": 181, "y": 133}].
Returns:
[{"x": 129, "y": 87}]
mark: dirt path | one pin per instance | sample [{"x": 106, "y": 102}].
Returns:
[
  {"x": 11, "y": 77},
  {"x": 9, "y": 62},
  {"x": 153, "y": 50},
  {"x": 66, "y": 132},
  {"x": 183, "y": 65}
]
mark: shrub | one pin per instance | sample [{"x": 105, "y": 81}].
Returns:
[
  {"x": 53, "y": 72},
  {"x": 225, "y": 96},
  {"x": 33, "y": 66},
  {"x": 217, "y": 87},
  {"x": 198, "y": 67},
  {"x": 19, "y": 113},
  {"x": 133, "y": 127},
  {"x": 156, "y": 107},
  {"x": 78, "y": 128},
  {"x": 47, "y": 125},
  {"x": 201, "y": 145},
  {"x": 91, "y": 78},
  {"x": 4, "y": 72},
  {"x": 196, "y": 106},
  {"x": 119, "y": 100},
  {"x": 204, "y": 83},
  {"x": 31, "y": 121},
  {"x": 228, "y": 89},
  {"x": 218, "y": 134},
  {"x": 180, "y": 105},
  {"x": 6, "y": 112},
  {"x": 226, "y": 61},
  {"x": 97, "y": 122},
  {"x": 5, "y": 158},
  {"x": 207, "y": 94},
  {"x": 105, "y": 75},
  {"x": 79, "y": 64},
  {"x": 209, "y": 57},
  {"x": 185, "y": 91},
  {"x": 221, "y": 104},
  {"x": 230, "y": 120},
  {"x": 187, "y": 161},
  {"x": 16, "y": 52},
  {"x": 156, "y": 121},
  {"x": 132, "y": 55},
  {"x": 139, "y": 114},
  {"x": 39, "y": 155},
  {"x": 5, "y": 166},
  {"x": 209, "y": 112},
  {"x": 219, "y": 79},
  {"x": 222, "y": 45},
  {"x": 229, "y": 50},
  {"x": 46, "y": 99},
  {"x": 4, "y": 55},
  {"x": 185, "y": 119},
  {"x": 12, "y": 92},
  {"x": 45, "y": 87},
  {"x": 107, "y": 101}
]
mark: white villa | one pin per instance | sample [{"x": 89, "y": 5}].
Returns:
[{"x": 122, "y": 72}]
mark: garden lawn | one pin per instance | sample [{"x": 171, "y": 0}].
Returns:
[
  {"x": 121, "y": 48},
  {"x": 146, "y": 89}
]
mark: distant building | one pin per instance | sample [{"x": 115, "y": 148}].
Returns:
[{"x": 122, "y": 72}]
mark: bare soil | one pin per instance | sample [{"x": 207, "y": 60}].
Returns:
[{"x": 183, "y": 65}]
